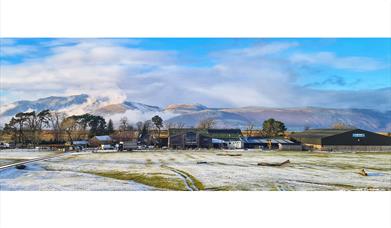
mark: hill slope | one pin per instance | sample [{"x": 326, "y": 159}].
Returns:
[
  {"x": 191, "y": 114},
  {"x": 294, "y": 118}
]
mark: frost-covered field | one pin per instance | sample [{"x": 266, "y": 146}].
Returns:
[
  {"x": 202, "y": 170},
  {"x": 19, "y": 155}
]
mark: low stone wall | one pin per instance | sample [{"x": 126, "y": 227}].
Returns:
[{"x": 358, "y": 148}]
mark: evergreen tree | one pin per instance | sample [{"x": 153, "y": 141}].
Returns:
[
  {"x": 110, "y": 127},
  {"x": 158, "y": 122},
  {"x": 272, "y": 128}
]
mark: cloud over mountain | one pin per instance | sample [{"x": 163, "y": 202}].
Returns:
[
  {"x": 264, "y": 74},
  {"x": 191, "y": 114}
]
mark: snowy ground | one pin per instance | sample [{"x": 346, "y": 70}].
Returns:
[
  {"x": 19, "y": 155},
  {"x": 137, "y": 170}
]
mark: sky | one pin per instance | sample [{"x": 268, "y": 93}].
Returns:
[{"x": 216, "y": 72}]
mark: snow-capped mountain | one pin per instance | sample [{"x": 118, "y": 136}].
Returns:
[
  {"x": 191, "y": 114},
  {"x": 185, "y": 108},
  {"x": 75, "y": 105},
  {"x": 294, "y": 118},
  {"x": 52, "y": 103}
]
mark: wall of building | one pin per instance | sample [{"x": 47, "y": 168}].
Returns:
[
  {"x": 94, "y": 142},
  {"x": 186, "y": 140},
  {"x": 290, "y": 147},
  {"x": 357, "y": 137},
  {"x": 235, "y": 144},
  {"x": 362, "y": 148},
  {"x": 176, "y": 142}
]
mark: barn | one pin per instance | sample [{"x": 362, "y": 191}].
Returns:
[
  {"x": 343, "y": 140},
  {"x": 270, "y": 143},
  {"x": 98, "y": 141},
  {"x": 226, "y": 138},
  {"x": 184, "y": 138}
]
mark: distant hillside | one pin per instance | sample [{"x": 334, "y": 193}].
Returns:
[
  {"x": 77, "y": 104},
  {"x": 185, "y": 108},
  {"x": 294, "y": 118},
  {"x": 52, "y": 103},
  {"x": 191, "y": 114}
]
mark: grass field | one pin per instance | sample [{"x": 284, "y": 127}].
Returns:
[{"x": 202, "y": 170}]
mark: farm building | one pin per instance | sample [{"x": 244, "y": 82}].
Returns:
[
  {"x": 270, "y": 143},
  {"x": 80, "y": 143},
  {"x": 343, "y": 140},
  {"x": 204, "y": 138},
  {"x": 184, "y": 138},
  {"x": 98, "y": 141},
  {"x": 226, "y": 138}
]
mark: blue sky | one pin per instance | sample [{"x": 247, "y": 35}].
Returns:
[{"x": 201, "y": 70}]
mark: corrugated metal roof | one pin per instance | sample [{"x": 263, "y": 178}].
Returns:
[
  {"x": 103, "y": 138},
  {"x": 266, "y": 140},
  {"x": 213, "y": 133},
  {"x": 218, "y": 141},
  {"x": 224, "y": 131},
  {"x": 81, "y": 142},
  {"x": 179, "y": 131},
  {"x": 319, "y": 133}
]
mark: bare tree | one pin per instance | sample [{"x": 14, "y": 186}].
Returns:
[
  {"x": 17, "y": 125},
  {"x": 35, "y": 122},
  {"x": 206, "y": 123},
  {"x": 168, "y": 125},
  {"x": 250, "y": 128},
  {"x": 123, "y": 124},
  {"x": 69, "y": 125},
  {"x": 180, "y": 125},
  {"x": 341, "y": 125},
  {"x": 56, "y": 118},
  {"x": 139, "y": 126}
]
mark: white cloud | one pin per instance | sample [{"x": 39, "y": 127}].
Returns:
[
  {"x": 97, "y": 42},
  {"x": 254, "y": 76},
  {"x": 88, "y": 67},
  {"x": 256, "y": 51},
  {"x": 134, "y": 116},
  {"x": 356, "y": 63},
  {"x": 17, "y": 50}
]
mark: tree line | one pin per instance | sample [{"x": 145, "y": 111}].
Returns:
[
  {"x": 270, "y": 128},
  {"x": 27, "y": 127}
]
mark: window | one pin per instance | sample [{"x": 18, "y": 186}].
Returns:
[{"x": 358, "y": 135}]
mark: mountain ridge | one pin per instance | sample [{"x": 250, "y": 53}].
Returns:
[{"x": 295, "y": 118}]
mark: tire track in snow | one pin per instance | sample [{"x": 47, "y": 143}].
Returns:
[
  {"x": 186, "y": 179},
  {"x": 33, "y": 160}
]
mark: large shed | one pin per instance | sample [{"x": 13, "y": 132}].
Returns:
[
  {"x": 98, "y": 141},
  {"x": 182, "y": 138},
  {"x": 343, "y": 140},
  {"x": 270, "y": 143}
]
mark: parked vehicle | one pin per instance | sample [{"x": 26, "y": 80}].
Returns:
[
  {"x": 141, "y": 147},
  {"x": 4, "y": 145},
  {"x": 106, "y": 147},
  {"x": 127, "y": 146}
]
